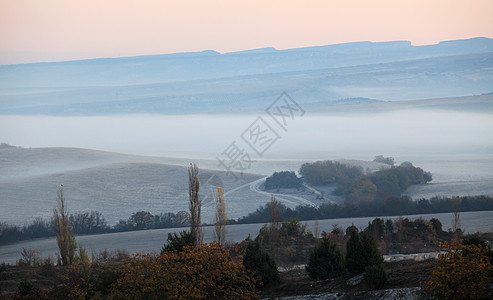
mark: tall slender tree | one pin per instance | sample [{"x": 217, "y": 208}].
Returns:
[
  {"x": 221, "y": 217},
  {"x": 275, "y": 225},
  {"x": 456, "y": 220},
  {"x": 195, "y": 203},
  {"x": 275, "y": 213},
  {"x": 64, "y": 236}
]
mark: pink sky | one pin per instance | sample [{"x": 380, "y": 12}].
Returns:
[{"x": 50, "y": 30}]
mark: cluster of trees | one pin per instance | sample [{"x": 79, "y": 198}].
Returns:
[
  {"x": 89, "y": 223},
  {"x": 407, "y": 236},
  {"x": 352, "y": 183},
  {"x": 382, "y": 184},
  {"x": 362, "y": 256},
  {"x": 329, "y": 172},
  {"x": 393, "y": 206},
  {"x": 143, "y": 220},
  {"x": 37, "y": 229},
  {"x": 283, "y": 179}
]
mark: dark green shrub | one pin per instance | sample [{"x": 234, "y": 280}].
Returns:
[
  {"x": 474, "y": 239},
  {"x": 375, "y": 276},
  {"x": 326, "y": 261},
  {"x": 178, "y": 242},
  {"x": 389, "y": 226},
  {"x": 376, "y": 228},
  {"x": 28, "y": 291},
  {"x": 260, "y": 263},
  {"x": 293, "y": 227},
  {"x": 355, "y": 259},
  {"x": 350, "y": 229},
  {"x": 284, "y": 179},
  {"x": 371, "y": 252},
  {"x": 361, "y": 251}
]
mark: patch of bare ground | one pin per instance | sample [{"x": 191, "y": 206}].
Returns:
[
  {"x": 296, "y": 282},
  {"x": 44, "y": 277},
  {"x": 49, "y": 278}
]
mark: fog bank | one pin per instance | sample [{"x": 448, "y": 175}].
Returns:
[{"x": 397, "y": 133}]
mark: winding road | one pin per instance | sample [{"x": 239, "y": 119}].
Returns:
[{"x": 254, "y": 186}]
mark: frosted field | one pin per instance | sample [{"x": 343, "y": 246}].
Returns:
[{"x": 118, "y": 185}]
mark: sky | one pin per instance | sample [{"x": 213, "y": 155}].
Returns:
[{"x": 55, "y": 30}]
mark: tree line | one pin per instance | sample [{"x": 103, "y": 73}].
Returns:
[
  {"x": 92, "y": 223},
  {"x": 392, "y": 206}
]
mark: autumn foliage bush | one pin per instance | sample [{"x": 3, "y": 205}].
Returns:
[
  {"x": 88, "y": 281},
  {"x": 462, "y": 272},
  {"x": 204, "y": 272}
]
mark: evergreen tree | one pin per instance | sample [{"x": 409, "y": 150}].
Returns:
[
  {"x": 361, "y": 252},
  {"x": 326, "y": 261},
  {"x": 371, "y": 253},
  {"x": 355, "y": 260},
  {"x": 260, "y": 263},
  {"x": 178, "y": 242}
]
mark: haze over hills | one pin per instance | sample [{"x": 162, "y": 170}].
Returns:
[
  {"x": 205, "y": 82},
  {"x": 431, "y": 105}
]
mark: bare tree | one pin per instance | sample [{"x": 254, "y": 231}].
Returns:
[
  {"x": 221, "y": 217},
  {"x": 195, "y": 203},
  {"x": 64, "y": 236}
]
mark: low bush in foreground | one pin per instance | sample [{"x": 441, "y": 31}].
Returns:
[
  {"x": 462, "y": 272},
  {"x": 204, "y": 272}
]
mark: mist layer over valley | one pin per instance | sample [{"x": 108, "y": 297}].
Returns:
[{"x": 457, "y": 153}]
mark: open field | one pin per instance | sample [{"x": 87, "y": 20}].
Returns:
[{"x": 118, "y": 185}]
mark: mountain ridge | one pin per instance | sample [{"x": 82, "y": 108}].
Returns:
[{"x": 210, "y": 64}]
